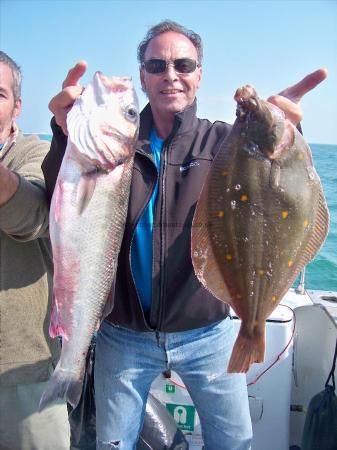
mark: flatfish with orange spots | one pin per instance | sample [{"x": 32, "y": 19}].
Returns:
[{"x": 260, "y": 219}]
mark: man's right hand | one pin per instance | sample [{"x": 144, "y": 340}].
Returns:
[{"x": 61, "y": 104}]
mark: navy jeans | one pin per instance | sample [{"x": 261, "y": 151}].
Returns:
[{"x": 128, "y": 361}]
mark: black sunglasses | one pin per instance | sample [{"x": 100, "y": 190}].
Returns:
[{"x": 181, "y": 65}]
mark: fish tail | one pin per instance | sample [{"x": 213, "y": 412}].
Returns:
[
  {"x": 246, "y": 351},
  {"x": 62, "y": 385}
]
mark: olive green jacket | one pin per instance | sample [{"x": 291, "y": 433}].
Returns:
[{"x": 26, "y": 351}]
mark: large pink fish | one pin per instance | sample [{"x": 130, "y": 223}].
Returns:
[
  {"x": 261, "y": 217},
  {"x": 87, "y": 218}
]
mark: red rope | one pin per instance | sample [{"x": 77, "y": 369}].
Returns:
[
  {"x": 278, "y": 357},
  {"x": 280, "y": 354}
]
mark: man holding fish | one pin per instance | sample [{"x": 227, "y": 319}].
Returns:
[
  {"x": 28, "y": 354},
  {"x": 162, "y": 316}
]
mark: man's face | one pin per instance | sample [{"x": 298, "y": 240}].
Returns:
[
  {"x": 9, "y": 108},
  {"x": 170, "y": 92}
]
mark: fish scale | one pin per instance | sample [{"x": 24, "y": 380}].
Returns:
[
  {"x": 249, "y": 244},
  {"x": 87, "y": 220}
]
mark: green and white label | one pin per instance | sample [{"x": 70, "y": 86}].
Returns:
[
  {"x": 183, "y": 415},
  {"x": 170, "y": 388}
]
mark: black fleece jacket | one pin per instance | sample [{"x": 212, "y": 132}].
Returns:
[{"x": 179, "y": 301}]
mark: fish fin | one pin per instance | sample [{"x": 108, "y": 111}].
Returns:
[
  {"x": 275, "y": 175},
  {"x": 89, "y": 169},
  {"x": 85, "y": 191},
  {"x": 321, "y": 229},
  {"x": 246, "y": 351},
  {"x": 204, "y": 261},
  {"x": 318, "y": 235},
  {"x": 62, "y": 385},
  {"x": 58, "y": 194},
  {"x": 55, "y": 327},
  {"x": 287, "y": 140},
  {"x": 56, "y": 330}
]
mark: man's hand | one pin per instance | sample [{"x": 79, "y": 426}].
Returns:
[
  {"x": 9, "y": 183},
  {"x": 288, "y": 100},
  {"x": 64, "y": 100}
]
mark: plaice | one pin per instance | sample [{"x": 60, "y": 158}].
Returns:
[{"x": 260, "y": 219}]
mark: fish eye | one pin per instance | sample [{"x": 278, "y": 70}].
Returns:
[
  {"x": 131, "y": 113},
  {"x": 253, "y": 116}
]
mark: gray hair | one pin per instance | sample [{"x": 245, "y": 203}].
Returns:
[
  {"x": 16, "y": 72},
  {"x": 163, "y": 27}
]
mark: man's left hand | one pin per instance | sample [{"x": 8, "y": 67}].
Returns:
[{"x": 288, "y": 100}]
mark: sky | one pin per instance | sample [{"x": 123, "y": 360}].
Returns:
[{"x": 270, "y": 44}]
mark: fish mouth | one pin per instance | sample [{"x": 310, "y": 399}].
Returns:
[
  {"x": 117, "y": 136},
  {"x": 98, "y": 168},
  {"x": 246, "y": 109},
  {"x": 258, "y": 122},
  {"x": 106, "y": 146},
  {"x": 247, "y": 115},
  {"x": 247, "y": 103}
]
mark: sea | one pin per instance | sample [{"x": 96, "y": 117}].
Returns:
[{"x": 321, "y": 272}]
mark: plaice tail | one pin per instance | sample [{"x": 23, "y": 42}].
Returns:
[
  {"x": 62, "y": 385},
  {"x": 246, "y": 351}
]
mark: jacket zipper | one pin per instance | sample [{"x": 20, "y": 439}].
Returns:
[
  {"x": 162, "y": 241},
  {"x": 130, "y": 259}
]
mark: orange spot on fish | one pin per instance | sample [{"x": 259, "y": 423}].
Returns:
[
  {"x": 273, "y": 299},
  {"x": 290, "y": 263},
  {"x": 229, "y": 257},
  {"x": 244, "y": 197},
  {"x": 225, "y": 173},
  {"x": 300, "y": 156},
  {"x": 305, "y": 223},
  {"x": 221, "y": 214},
  {"x": 238, "y": 296},
  {"x": 285, "y": 214},
  {"x": 261, "y": 272}
]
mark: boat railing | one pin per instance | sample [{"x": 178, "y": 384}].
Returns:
[{"x": 300, "y": 287}]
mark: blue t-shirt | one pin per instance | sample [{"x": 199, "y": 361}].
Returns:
[{"x": 141, "y": 250}]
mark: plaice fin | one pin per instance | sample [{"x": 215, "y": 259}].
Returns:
[
  {"x": 287, "y": 140},
  {"x": 248, "y": 349}
]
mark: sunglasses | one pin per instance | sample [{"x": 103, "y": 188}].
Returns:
[{"x": 181, "y": 65}]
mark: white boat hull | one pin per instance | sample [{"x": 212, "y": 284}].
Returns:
[{"x": 279, "y": 399}]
